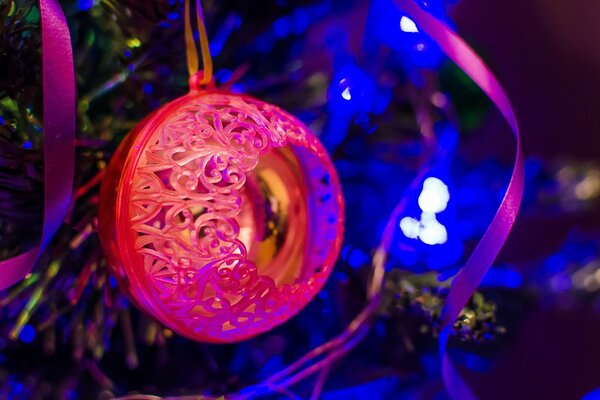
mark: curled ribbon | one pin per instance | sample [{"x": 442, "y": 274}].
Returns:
[
  {"x": 59, "y": 136},
  {"x": 470, "y": 276}
]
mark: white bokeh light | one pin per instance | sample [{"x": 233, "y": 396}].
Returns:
[
  {"x": 435, "y": 196},
  {"x": 410, "y": 227},
  {"x": 408, "y": 25},
  {"x": 433, "y": 199},
  {"x": 433, "y": 232},
  {"x": 346, "y": 94}
]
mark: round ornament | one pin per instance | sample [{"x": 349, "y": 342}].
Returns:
[{"x": 221, "y": 215}]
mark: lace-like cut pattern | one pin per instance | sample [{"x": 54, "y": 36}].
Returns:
[{"x": 187, "y": 188}]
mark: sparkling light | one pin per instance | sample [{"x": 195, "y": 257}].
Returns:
[
  {"x": 408, "y": 25},
  {"x": 433, "y": 199},
  {"x": 433, "y": 232},
  {"x": 410, "y": 227},
  {"x": 428, "y": 229},
  {"x": 346, "y": 94},
  {"x": 435, "y": 196}
]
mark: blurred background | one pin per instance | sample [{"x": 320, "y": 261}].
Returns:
[
  {"x": 545, "y": 56},
  {"x": 393, "y": 113}
]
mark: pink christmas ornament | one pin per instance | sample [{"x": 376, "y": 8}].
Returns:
[{"x": 221, "y": 215}]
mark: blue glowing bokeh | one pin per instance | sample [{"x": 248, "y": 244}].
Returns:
[
  {"x": 85, "y": 5},
  {"x": 352, "y": 93},
  {"x": 592, "y": 395},
  {"x": 388, "y": 25},
  {"x": 502, "y": 277},
  {"x": 148, "y": 88},
  {"x": 218, "y": 40},
  {"x": 27, "y": 334},
  {"x": 427, "y": 236}
]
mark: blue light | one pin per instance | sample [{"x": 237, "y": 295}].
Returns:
[
  {"x": 476, "y": 362},
  {"x": 72, "y": 394},
  {"x": 274, "y": 364},
  {"x": 408, "y": 258},
  {"x": 430, "y": 363},
  {"x": 427, "y": 236},
  {"x": 281, "y": 27},
  {"x": 300, "y": 20},
  {"x": 339, "y": 276},
  {"x": 223, "y": 75},
  {"x": 17, "y": 387},
  {"x": 218, "y": 41},
  {"x": 556, "y": 263},
  {"x": 592, "y": 395},
  {"x": 148, "y": 88},
  {"x": 388, "y": 25},
  {"x": 264, "y": 43},
  {"x": 355, "y": 257},
  {"x": 352, "y": 92},
  {"x": 237, "y": 88},
  {"x": 502, "y": 277},
  {"x": 382, "y": 388},
  {"x": 85, "y": 5},
  {"x": 27, "y": 145},
  {"x": 447, "y": 136},
  {"x": 27, "y": 334}
]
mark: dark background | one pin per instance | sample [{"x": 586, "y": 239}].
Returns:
[{"x": 547, "y": 55}]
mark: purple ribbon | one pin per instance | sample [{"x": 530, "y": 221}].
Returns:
[
  {"x": 470, "y": 276},
  {"x": 59, "y": 136}
]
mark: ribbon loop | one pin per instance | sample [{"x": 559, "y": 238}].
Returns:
[
  {"x": 59, "y": 136},
  {"x": 470, "y": 276}
]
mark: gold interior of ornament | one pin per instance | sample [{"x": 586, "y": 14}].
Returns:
[{"x": 273, "y": 219}]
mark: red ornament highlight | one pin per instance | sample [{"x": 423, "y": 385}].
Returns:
[{"x": 221, "y": 216}]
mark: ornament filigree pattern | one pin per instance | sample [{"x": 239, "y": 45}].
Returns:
[{"x": 185, "y": 196}]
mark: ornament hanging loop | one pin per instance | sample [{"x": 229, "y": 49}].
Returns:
[
  {"x": 196, "y": 82},
  {"x": 206, "y": 76}
]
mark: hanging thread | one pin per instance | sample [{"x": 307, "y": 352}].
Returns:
[{"x": 190, "y": 45}]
